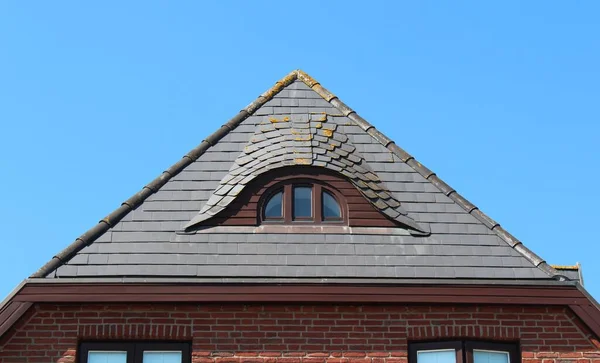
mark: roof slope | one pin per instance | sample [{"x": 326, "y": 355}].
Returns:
[{"x": 145, "y": 237}]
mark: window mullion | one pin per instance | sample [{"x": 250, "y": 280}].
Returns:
[
  {"x": 137, "y": 354},
  {"x": 288, "y": 208},
  {"x": 318, "y": 204}
]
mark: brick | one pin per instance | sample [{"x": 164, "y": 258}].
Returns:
[
  {"x": 547, "y": 355},
  {"x": 397, "y": 360},
  {"x": 227, "y": 360},
  {"x": 313, "y": 360},
  {"x": 247, "y": 354},
  {"x": 270, "y": 354},
  {"x": 295, "y": 333},
  {"x": 355, "y": 354},
  {"x": 288, "y": 360},
  {"x": 378, "y": 354}
]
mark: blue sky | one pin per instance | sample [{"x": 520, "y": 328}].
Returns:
[{"x": 501, "y": 101}]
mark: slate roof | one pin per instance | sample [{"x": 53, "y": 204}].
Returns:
[{"x": 146, "y": 237}]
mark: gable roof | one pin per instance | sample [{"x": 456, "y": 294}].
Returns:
[{"x": 145, "y": 237}]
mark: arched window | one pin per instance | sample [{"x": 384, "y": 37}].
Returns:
[
  {"x": 302, "y": 201},
  {"x": 274, "y": 207}
]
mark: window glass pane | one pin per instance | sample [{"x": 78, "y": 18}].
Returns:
[
  {"x": 107, "y": 357},
  {"x": 302, "y": 202},
  {"x": 331, "y": 208},
  {"x": 162, "y": 357},
  {"x": 274, "y": 208},
  {"x": 437, "y": 356},
  {"x": 487, "y": 356}
]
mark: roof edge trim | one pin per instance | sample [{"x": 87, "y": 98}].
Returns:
[
  {"x": 12, "y": 294},
  {"x": 300, "y": 280}
]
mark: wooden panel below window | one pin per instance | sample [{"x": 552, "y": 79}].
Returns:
[{"x": 244, "y": 211}]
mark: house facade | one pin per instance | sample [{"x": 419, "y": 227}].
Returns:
[{"x": 299, "y": 233}]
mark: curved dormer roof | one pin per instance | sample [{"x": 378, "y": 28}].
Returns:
[{"x": 308, "y": 139}]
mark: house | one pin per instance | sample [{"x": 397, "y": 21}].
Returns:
[{"x": 299, "y": 233}]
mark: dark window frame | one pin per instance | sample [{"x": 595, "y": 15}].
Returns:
[
  {"x": 317, "y": 188},
  {"x": 464, "y": 349},
  {"x": 134, "y": 349}
]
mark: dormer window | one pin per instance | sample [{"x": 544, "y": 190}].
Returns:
[
  {"x": 302, "y": 196},
  {"x": 302, "y": 202}
]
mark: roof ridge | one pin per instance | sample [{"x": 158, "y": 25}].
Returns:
[
  {"x": 137, "y": 199},
  {"x": 450, "y": 192},
  {"x": 91, "y": 235}
]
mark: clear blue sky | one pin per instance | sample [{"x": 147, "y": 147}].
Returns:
[{"x": 501, "y": 101}]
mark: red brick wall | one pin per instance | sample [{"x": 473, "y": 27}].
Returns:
[{"x": 298, "y": 333}]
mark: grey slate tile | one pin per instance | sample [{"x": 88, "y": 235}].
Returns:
[
  {"x": 299, "y": 85},
  {"x": 106, "y": 237},
  {"x": 79, "y": 259},
  {"x": 67, "y": 271}
]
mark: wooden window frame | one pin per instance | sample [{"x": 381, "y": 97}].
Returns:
[
  {"x": 317, "y": 188},
  {"x": 288, "y": 209},
  {"x": 135, "y": 349},
  {"x": 464, "y": 349}
]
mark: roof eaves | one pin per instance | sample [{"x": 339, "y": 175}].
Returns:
[
  {"x": 136, "y": 200},
  {"x": 12, "y": 294},
  {"x": 431, "y": 176},
  {"x": 301, "y": 280},
  {"x": 593, "y": 301}
]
